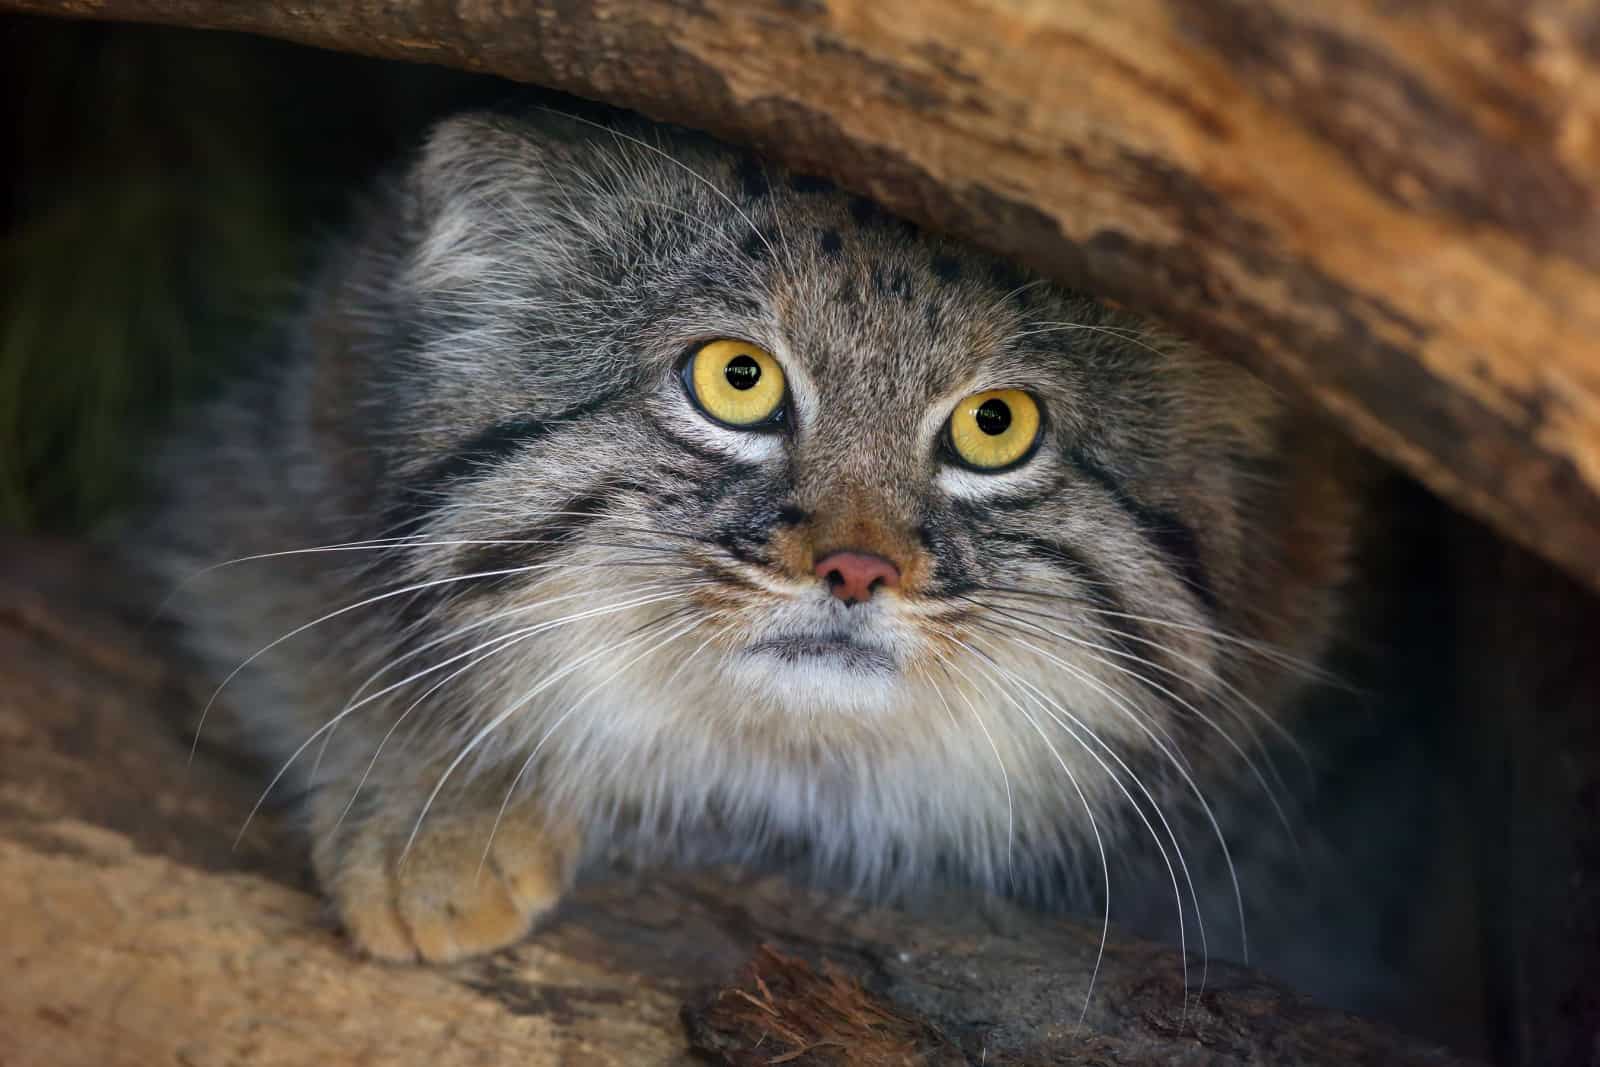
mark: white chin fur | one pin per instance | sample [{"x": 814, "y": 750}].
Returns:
[
  {"x": 817, "y": 657},
  {"x": 857, "y": 682}
]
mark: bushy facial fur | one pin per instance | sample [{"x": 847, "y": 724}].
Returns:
[{"x": 596, "y": 597}]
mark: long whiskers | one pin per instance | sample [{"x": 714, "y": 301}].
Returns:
[
  {"x": 668, "y": 560},
  {"x": 1124, "y": 705},
  {"x": 1094, "y": 827},
  {"x": 1212, "y": 724},
  {"x": 505, "y": 802},
  {"x": 1005, "y": 778},
  {"x": 498, "y": 644},
  {"x": 1072, "y": 731},
  {"x": 505, "y": 714},
  {"x": 303, "y": 627},
  {"x": 1306, "y": 669},
  {"x": 556, "y": 570},
  {"x": 503, "y": 641},
  {"x": 419, "y": 540},
  {"x": 553, "y": 571},
  {"x": 518, "y": 638}
]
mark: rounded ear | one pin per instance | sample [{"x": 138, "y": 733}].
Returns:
[
  {"x": 476, "y": 155},
  {"x": 480, "y": 179}
]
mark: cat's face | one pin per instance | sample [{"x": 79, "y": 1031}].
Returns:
[{"x": 750, "y": 470}]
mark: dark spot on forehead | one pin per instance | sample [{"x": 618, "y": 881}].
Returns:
[
  {"x": 1005, "y": 276},
  {"x": 755, "y": 246},
  {"x": 895, "y": 283},
  {"x": 901, "y": 283},
  {"x": 847, "y": 296},
  {"x": 830, "y": 242},
  {"x": 869, "y": 215},
  {"x": 753, "y": 180},
  {"x": 866, "y": 213},
  {"x": 811, "y": 183},
  {"x": 947, "y": 268}
]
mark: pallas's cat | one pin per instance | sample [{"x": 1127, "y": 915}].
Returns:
[{"x": 613, "y": 494}]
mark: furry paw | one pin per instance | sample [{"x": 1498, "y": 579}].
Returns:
[{"x": 454, "y": 893}]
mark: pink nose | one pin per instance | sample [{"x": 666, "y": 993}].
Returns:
[{"x": 854, "y": 576}]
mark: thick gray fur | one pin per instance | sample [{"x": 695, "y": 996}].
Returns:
[{"x": 492, "y": 356}]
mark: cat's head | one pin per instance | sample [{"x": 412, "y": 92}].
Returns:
[{"x": 742, "y": 465}]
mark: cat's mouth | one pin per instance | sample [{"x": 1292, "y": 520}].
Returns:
[{"x": 837, "y": 649}]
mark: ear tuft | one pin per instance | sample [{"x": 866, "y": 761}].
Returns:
[
  {"x": 476, "y": 173},
  {"x": 475, "y": 153}
]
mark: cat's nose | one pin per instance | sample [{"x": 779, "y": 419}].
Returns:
[{"x": 854, "y": 576}]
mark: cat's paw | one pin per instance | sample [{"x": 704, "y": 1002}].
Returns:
[{"x": 453, "y": 893}]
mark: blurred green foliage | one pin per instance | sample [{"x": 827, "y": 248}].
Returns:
[{"x": 165, "y": 191}]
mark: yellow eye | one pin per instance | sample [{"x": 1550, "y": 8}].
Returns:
[
  {"x": 994, "y": 429},
  {"x": 735, "y": 382}
]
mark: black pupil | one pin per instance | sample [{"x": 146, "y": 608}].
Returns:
[
  {"x": 993, "y": 417},
  {"x": 743, "y": 372}
]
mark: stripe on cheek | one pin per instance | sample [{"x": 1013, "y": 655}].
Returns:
[
  {"x": 539, "y": 542},
  {"x": 1172, "y": 538},
  {"x": 1097, "y": 586},
  {"x": 530, "y": 546},
  {"x": 695, "y": 449},
  {"x": 483, "y": 451},
  {"x": 1127, "y": 641}
]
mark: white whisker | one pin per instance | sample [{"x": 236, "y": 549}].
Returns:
[
  {"x": 496, "y": 645},
  {"x": 351, "y": 708},
  {"x": 1266, "y": 651},
  {"x": 557, "y": 569},
  {"x": 1005, "y": 778},
  {"x": 576, "y": 704},
  {"x": 303, "y": 627},
  {"x": 1094, "y": 827},
  {"x": 1124, "y": 705},
  {"x": 1040, "y": 695},
  {"x": 1211, "y": 723},
  {"x": 500, "y": 719}
]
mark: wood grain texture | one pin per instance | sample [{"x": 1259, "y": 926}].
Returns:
[
  {"x": 135, "y": 933},
  {"x": 1388, "y": 204}
]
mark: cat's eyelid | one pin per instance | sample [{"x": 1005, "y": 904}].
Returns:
[
  {"x": 939, "y": 410},
  {"x": 739, "y": 444},
  {"x": 972, "y": 484}
]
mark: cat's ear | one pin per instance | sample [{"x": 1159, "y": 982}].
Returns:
[
  {"x": 479, "y": 181},
  {"x": 476, "y": 157}
]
